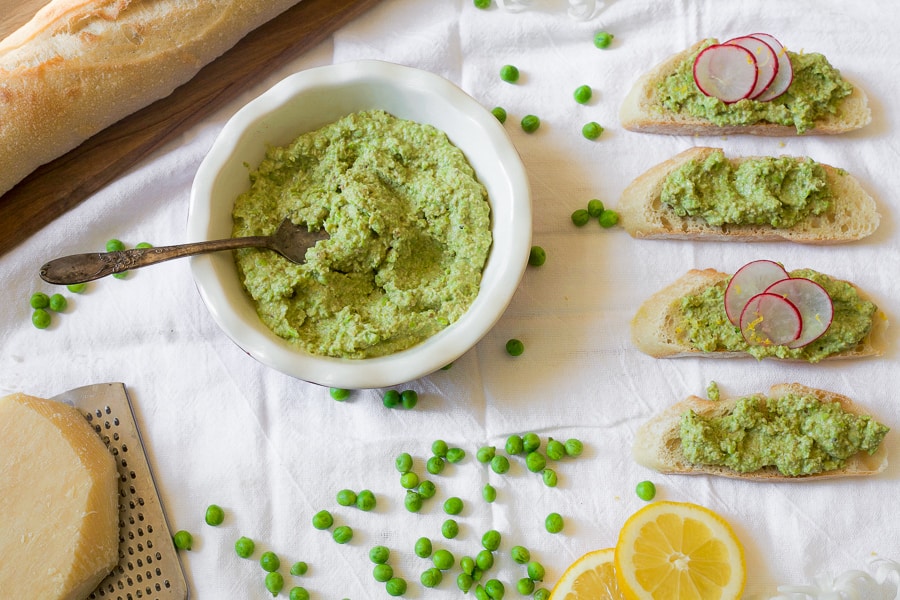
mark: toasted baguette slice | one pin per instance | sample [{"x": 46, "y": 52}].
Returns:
[
  {"x": 642, "y": 112},
  {"x": 853, "y": 216},
  {"x": 657, "y": 444},
  {"x": 653, "y": 328}
]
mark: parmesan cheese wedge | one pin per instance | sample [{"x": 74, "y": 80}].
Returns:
[{"x": 58, "y": 501}]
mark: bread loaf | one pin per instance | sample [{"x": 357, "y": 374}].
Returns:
[
  {"x": 657, "y": 443},
  {"x": 81, "y": 65},
  {"x": 853, "y": 214}
]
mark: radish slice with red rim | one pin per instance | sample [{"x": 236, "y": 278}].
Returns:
[
  {"x": 785, "y": 75},
  {"x": 770, "y": 320},
  {"x": 813, "y": 302},
  {"x": 766, "y": 61},
  {"x": 750, "y": 280},
  {"x": 725, "y": 71}
]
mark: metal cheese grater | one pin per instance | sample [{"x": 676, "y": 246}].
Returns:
[{"x": 149, "y": 567}]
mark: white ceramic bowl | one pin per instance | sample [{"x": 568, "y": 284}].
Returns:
[{"x": 307, "y": 101}]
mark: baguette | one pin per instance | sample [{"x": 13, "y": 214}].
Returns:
[
  {"x": 853, "y": 214},
  {"x": 641, "y": 111},
  {"x": 81, "y": 65},
  {"x": 654, "y": 328},
  {"x": 657, "y": 443}
]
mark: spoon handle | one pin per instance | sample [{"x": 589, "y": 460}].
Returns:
[{"x": 79, "y": 268}]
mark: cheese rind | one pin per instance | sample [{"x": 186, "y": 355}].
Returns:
[{"x": 58, "y": 501}]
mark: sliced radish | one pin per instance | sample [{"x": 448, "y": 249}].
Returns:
[
  {"x": 750, "y": 280},
  {"x": 785, "y": 74},
  {"x": 813, "y": 302},
  {"x": 770, "y": 320},
  {"x": 726, "y": 72},
  {"x": 766, "y": 61}
]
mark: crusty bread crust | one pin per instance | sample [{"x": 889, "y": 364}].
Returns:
[
  {"x": 657, "y": 444},
  {"x": 81, "y": 65},
  {"x": 654, "y": 327},
  {"x": 641, "y": 112},
  {"x": 853, "y": 216}
]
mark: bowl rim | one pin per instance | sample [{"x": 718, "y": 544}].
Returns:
[{"x": 433, "y": 353}]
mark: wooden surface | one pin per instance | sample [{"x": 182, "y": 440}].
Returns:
[{"x": 58, "y": 186}]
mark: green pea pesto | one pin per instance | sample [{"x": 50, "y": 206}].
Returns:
[
  {"x": 777, "y": 191},
  {"x": 705, "y": 327},
  {"x": 409, "y": 233},
  {"x": 816, "y": 91},
  {"x": 796, "y": 434}
]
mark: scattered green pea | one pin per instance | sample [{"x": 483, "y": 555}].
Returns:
[
  {"x": 404, "y": 462},
  {"x": 412, "y": 501},
  {"x": 120, "y": 275},
  {"x": 646, "y": 490},
  {"x": 602, "y": 39},
  {"x": 391, "y": 399},
  {"x": 520, "y": 554},
  {"x": 427, "y": 489},
  {"x": 40, "y": 318},
  {"x": 453, "y": 505},
  {"x": 298, "y": 593},
  {"x": 455, "y": 455},
  {"x": 435, "y": 465},
  {"x": 467, "y": 565},
  {"x": 114, "y": 245},
  {"x": 530, "y": 123},
  {"x": 143, "y": 245},
  {"x": 537, "y": 256},
  {"x": 580, "y": 217},
  {"x": 365, "y": 500},
  {"x": 535, "y": 571},
  {"x": 609, "y": 218},
  {"x": 489, "y": 493},
  {"x": 269, "y": 561},
  {"x": 591, "y": 130},
  {"x": 482, "y": 4},
  {"x": 484, "y": 560},
  {"x": 500, "y": 113},
  {"x": 495, "y": 589},
  {"x": 342, "y": 534},
  {"x": 39, "y": 300},
  {"x": 322, "y": 520},
  {"x": 183, "y": 540},
  {"x": 339, "y": 394},
  {"x": 450, "y": 529},
  {"x": 485, "y": 454},
  {"x": 76, "y": 288},
  {"x": 299, "y": 568},
  {"x": 443, "y": 559},
  {"x": 379, "y": 554},
  {"x": 551, "y": 479},
  {"x": 541, "y": 594},
  {"x": 431, "y": 577},
  {"x": 525, "y": 586},
  {"x": 509, "y": 73},
  {"x": 274, "y": 582},
  {"x": 439, "y": 448},
  {"x": 595, "y": 208},
  {"x": 583, "y": 94},
  {"x": 409, "y": 399},
  {"x": 531, "y": 442},
  {"x": 214, "y": 515},
  {"x": 409, "y": 480},
  {"x": 464, "y": 582},
  {"x": 556, "y": 450},
  {"x": 500, "y": 464},
  {"x": 346, "y": 497},
  {"x": 396, "y": 586},
  {"x": 423, "y": 547},
  {"x": 244, "y": 547},
  {"x": 514, "y": 445},
  {"x": 382, "y": 572},
  {"x": 535, "y": 462},
  {"x": 491, "y": 540},
  {"x": 554, "y": 523},
  {"x": 58, "y": 303},
  {"x": 515, "y": 347},
  {"x": 480, "y": 593},
  {"x": 574, "y": 447}
]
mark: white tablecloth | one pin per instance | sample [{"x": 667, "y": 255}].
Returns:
[{"x": 272, "y": 450}]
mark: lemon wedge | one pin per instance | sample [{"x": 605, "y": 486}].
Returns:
[{"x": 591, "y": 577}]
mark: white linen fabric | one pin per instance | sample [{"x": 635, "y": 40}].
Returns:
[{"x": 272, "y": 450}]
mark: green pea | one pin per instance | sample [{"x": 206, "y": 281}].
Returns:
[
  {"x": 556, "y": 450},
  {"x": 500, "y": 113},
  {"x": 646, "y": 490},
  {"x": 435, "y": 465},
  {"x": 382, "y": 572},
  {"x": 509, "y": 73},
  {"x": 409, "y": 399},
  {"x": 535, "y": 462},
  {"x": 500, "y": 464},
  {"x": 39, "y": 300},
  {"x": 464, "y": 582},
  {"x": 183, "y": 540},
  {"x": 346, "y": 497},
  {"x": 480, "y": 593},
  {"x": 114, "y": 245},
  {"x": 602, "y": 39},
  {"x": 554, "y": 523},
  {"x": 322, "y": 520},
  {"x": 591, "y": 130},
  {"x": 484, "y": 560},
  {"x": 439, "y": 448},
  {"x": 489, "y": 493},
  {"x": 595, "y": 208},
  {"x": 391, "y": 399},
  {"x": 409, "y": 480},
  {"x": 482, "y": 4},
  {"x": 453, "y": 505},
  {"x": 514, "y": 445},
  {"x": 274, "y": 583},
  {"x": 525, "y": 586},
  {"x": 450, "y": 529},
  {"x": 423, "y": 547},
  {"x": 609, "y": 218},
  {"x": 520, "y": 554},
  {"x": 431, "y": 577},
  {"x": 574, "y": 447},
  {"x": 535, "y": 571},
  {"x": 491, "y": 540},
  {"x": 120, "y": 275},
  {"x": 379, "y": 554},
  {"x": 495, "y": 589},
  {"x": 413, "y": 501},
  {"x": 40, "y": 318},
  {"x": 339, "y": 394},
  {"x": 244, "y": 547},
  {"x": 537, "y": 256},
  {"x": 531, "y": 442},
  {"x": 443, "y": 559},
  {"x": 550, "y": 477},
  {"x": 515, "y": 347},
  {"x": 467, "y": 565},
  {"x": 404, "y": 462},
  {"x": 485, "y": 454},
  {"x": 214, "y": 515},
  {"x": 143, "y": 245},
  {"x": 58, "y": 303},
  {"x": 455, "y": 455},
  {"x": 269, "y": 561},
  {"x": 365, "y": 500},
  {"x": 583, "y": 94},
  {"x": 541, "y": 594},
  {"x": 427, "y": 489},
  {"x": 298, "y": 593},
  {"x": 396, "y": 586},
  {"x": 76, "y": 288},
  {"x": 299, "y": 568},
  {"x": 342, "y": 534},
  {"x": 530, "y": 123},
  {"x": 580, "y": 217}
]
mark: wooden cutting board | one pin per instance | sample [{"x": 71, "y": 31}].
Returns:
[{"x": 58, "y": 186}]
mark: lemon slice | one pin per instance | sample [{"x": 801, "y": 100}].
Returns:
[
  {"x": 679, "y": 551},
  {"x": 591, "y": 577}
]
